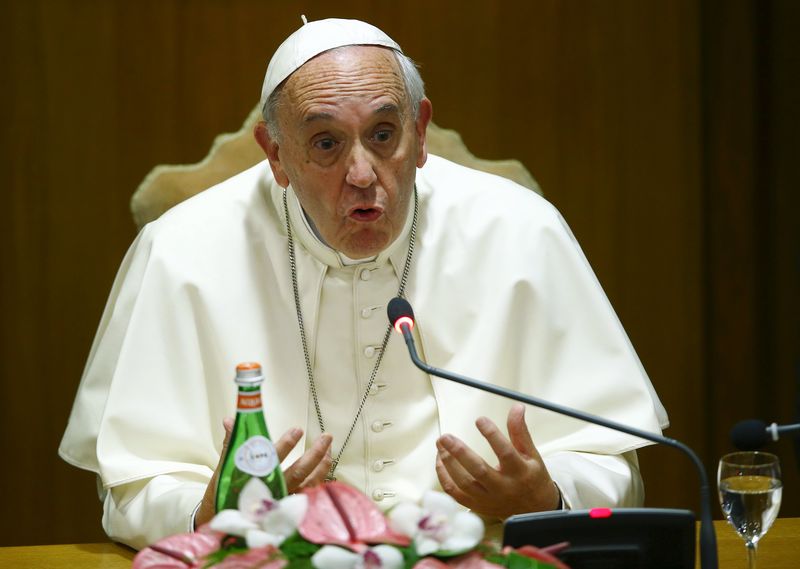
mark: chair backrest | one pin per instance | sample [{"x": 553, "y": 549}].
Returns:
[{"x": 231, "y": 153}]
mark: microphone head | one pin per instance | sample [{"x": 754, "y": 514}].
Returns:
[
  {"x": 749, "y": 435},
  {"x": 399, "y": 312}
]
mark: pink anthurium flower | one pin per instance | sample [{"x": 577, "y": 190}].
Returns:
[
  {"x": 182, "y": 551},
  {"x": 341, "y": 515},
  {"x": 261, "y": 558}
]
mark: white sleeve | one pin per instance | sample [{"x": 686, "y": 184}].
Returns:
[
  {"x": 142, "y": 512},
  {"x": 589, "y": 480}
]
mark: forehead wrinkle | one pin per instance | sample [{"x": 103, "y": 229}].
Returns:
[
  {"x": 348, "y": 62},
  {"x": 329, "y": 91},
  {"x": 325, "y": 108},
  {"x": 353, "y": 72},
  {"x": 386, "y": 108}
]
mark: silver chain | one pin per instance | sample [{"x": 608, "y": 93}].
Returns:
[{"x": 309, "y": 368}]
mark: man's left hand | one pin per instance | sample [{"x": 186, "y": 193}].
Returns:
[{"x": 519, "y": 483}]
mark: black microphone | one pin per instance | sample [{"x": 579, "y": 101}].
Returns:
[
  {"x": 402, "y": 318},
  {"x": 754, "y": 434}
]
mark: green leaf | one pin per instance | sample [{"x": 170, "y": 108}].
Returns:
[
  {"x": 304, "y": 563},
  {"x": 220, "y": 554},
  {"x": 297, "y": 548},
  {"x": 410, "y": 556},
  {"x": 515, "y": 560}
]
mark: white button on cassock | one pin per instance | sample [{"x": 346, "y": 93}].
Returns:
[
  {"x": 376, "y": 388},
  {"x": 365, "y": 275},
  {"x": 369, "y": 351},
  {"x": 378, "y": 426},
  {"x": 379, "y": 464},
  {"x": 378, "y": 494},
  {"x": 366, "y": 312}
]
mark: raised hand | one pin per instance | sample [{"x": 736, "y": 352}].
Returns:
[{"x": 518, "y": 484}]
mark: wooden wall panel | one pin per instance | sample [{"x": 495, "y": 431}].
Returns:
[
  {"x": 751, "y": 231},
  {"x": 732, "y": 223},
  {"x": 780, "y": 91},
  {"x": 603, "y": 101}
]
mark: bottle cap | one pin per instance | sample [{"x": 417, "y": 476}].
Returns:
[{"x": 249, "y": 373}]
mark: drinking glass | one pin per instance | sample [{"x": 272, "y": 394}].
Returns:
[{"x": 750, "y": 494}]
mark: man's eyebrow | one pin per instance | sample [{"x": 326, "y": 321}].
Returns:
[
  {"x": 317, "y": 117},
  {"x": 388, "y": 108}
]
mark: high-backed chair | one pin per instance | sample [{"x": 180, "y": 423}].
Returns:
[{"x": 168, "y": 185}]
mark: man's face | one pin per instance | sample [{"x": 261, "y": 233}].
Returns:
[{"x": 349, "y": 146}]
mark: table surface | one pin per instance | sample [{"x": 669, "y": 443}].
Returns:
[{"x": 780, "y": 549}]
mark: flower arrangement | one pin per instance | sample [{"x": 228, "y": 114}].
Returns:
[{"x": 334, "y": 526}]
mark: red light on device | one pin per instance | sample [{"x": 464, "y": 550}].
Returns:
[
  {"x": 600, "y": 513},
  {"x": 403, "y": 320}
]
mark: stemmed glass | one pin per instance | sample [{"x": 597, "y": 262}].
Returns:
[{"x": 750, "y": 494}]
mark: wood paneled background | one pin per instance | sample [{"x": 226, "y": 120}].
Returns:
[{"x": 666, "y": 131}]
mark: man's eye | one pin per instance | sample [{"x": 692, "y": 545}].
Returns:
[
  {"x": 382, "y": 135},
  {"x": 325, "y": 144}
]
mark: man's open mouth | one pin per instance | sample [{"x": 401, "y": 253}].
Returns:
[{"x": 366, "y": 214}]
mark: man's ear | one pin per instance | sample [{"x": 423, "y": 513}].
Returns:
[
  {"x": 424, "y": 116},
  {"x": 271, "y": 148}
]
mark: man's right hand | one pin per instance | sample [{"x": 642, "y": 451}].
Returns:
[{"x": 308, "y": 470}]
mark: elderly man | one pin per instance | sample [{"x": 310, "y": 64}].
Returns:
[{"x": 292, "y": 263}]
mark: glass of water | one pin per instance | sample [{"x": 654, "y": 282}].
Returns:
[{"x": 750, "y": 494}]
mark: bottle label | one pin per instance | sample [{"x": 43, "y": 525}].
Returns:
[
  {"x": 257, "y": 456},
  {"x": 249, "y": 402}
]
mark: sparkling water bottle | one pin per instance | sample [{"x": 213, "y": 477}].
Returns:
[{"x": 250, "y": 451}]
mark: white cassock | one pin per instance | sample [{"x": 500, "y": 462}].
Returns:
[{"x": 501, "y": 291}]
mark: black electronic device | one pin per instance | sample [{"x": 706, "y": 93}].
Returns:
[{"x": 604, "y": 538}]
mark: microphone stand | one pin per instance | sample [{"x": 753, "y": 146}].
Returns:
[{"x": 708, "y": 538}]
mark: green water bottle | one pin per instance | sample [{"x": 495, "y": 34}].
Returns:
[{"x": 250, "y": 453}]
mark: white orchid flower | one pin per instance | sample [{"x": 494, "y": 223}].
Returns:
[
  {"x": 261, "y": 519},
  {"x": 440, "y": 525},
  {"x": 378, "y": 557}
]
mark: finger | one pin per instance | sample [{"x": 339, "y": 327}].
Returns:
[
  {"x": 449, "y": 485},
  {"x": 445, "y": 480},
  {"x": 319, "y": 473},
  {"x": 518, "y": 432},
  {"x": 297, "y": 473},
  {"x": 462, "y": 480},
  {"x": 207, "y": 506},
  {"x": 287, "y": 442},
  {"x": 467, "y": 469},
  {"x": 227, "y": 425},
  {"x": 509, "y": 458}
]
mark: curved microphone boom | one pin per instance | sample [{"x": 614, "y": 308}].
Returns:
[
  {"x": 402, "y": 318},
  {"x": 754, "y": 434}
]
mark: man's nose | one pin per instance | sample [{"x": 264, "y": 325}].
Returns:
[{"x": 360, "y": 170}]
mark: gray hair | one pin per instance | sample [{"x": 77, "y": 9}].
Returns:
[{"x": 412, "y": 80}]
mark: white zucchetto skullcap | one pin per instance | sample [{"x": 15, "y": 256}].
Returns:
[{"x": 314, "y": 38}]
